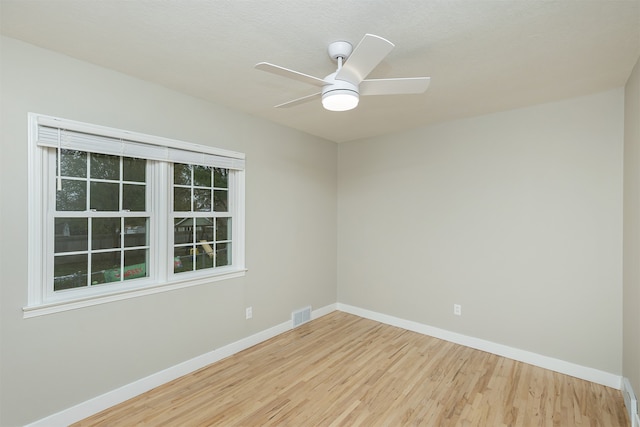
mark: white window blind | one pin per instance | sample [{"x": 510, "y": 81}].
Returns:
[{"x": 50, "y": 135}]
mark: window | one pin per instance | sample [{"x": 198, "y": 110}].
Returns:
[
  {"x": 202, "y": 233},
  {"x": 101, "y": 220},
  {"x": 116, "y": 214}
]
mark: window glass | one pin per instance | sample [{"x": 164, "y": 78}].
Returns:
[
  {"x": 202, "y": 176},
  {"x": 202, "y": 200},
  {"x": 70, "y": 271},
  {"x": 133, "y": 197},
  {"x": 105, "y": 167},
  {"x": 221, "y": 178},
  {"x": 221, "y": 200},
  {"x": 181, "y": 199},
  {"x": 105, "y": 267},
  {"x": 136, "y": 232},
  {"x": 223, "y": 254},
  {"x": 181, "y": 174},
  {"x": 105, "y": 233},
  {"x": 71, "y": 235},
  {"x": 223, "y": 230},
  {"x": 105, "y": 196},
  {"x": 134, "y": 170},
  {"x": 73, "y": 163},
  {"x": 72, "y": 196},
  {"x": 135, "y": 264}
]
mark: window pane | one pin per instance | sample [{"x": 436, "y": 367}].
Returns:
[
  {"x": 204, "y": 258},
  {"x": 105, "y": 267},
  {"x": 223, "y": 229},
  {"x": 136, "y": 232},
  {"x": 202, "y": 200},
  {"x": 181, "y": 174},
  {"x": 73, "y": 163},
  {"x": 223, "y": 254},
  {"x": 135, "y": 264},
  {"x": 134, "y": 169},
  {"x": 104, "y": 166},
  {"x": 104, "y": 196},
  {"x": 221, "y": 178},
  {"x": 105, "y": 233},
  {"x": 183, "y": 259},
  {"x": 220, "y": 200},
  {"x": 72, "y": 197},
  {"x": 202, "y": 176},
  {"x": 183, "y": 230},
  {"x": 71, "y": 235},
  {"x": 133, "y": 197},
  {"x": 181, "y": 199},
  {"x": 206, "y": 247},
  {"x": 204, "y": 229},
  {"x": 69, "y": 271}
]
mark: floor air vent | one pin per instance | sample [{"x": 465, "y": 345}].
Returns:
[{"x": 301, "y": 316}]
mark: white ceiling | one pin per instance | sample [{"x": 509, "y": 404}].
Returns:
[{"x": 482, "y": 56}]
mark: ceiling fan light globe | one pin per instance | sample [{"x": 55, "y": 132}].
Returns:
[{"x": 340, "y": 100}]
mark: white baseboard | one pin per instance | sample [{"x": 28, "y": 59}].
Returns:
[
  {"x": 557, "y": 365},
  {"x": 119, "y": 395},
  {"x": 630, "y": 402}
]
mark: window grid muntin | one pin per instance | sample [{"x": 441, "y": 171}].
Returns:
[
  {"x": 121, "y": 249},
  {"x": 197, "y": 246},
  {"x": 91, "y": 214},
  {"x": 213, "y": 189}
]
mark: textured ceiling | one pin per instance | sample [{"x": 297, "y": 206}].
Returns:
[{"x": 482, "y": 56}]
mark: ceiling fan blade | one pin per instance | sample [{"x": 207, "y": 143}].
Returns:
[
  {"x": 394, "y": 86},
  {"x": 298, "y": 101},
  {"x": 285, "y": 72},
  {"x": 365, "y": 57}
]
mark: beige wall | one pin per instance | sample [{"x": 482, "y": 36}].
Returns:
[
  {"x": 631, "y": 270},
  {"x": 517, "y": 216},
  {"x": 52, "y": 362}
]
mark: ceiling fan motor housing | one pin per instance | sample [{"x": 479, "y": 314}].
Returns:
[{"x": 334, "y": 88}]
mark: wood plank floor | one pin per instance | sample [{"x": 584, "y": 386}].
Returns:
[{"x": 343, "y": 370}]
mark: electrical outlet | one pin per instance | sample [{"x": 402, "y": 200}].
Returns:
[
  {"x": 249, "y": 312},
  {"x": 457, "y": 309}
]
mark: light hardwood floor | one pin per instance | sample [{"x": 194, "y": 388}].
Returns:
[{"x": 343, "y": 370}]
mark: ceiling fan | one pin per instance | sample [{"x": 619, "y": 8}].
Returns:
[{"x": 341, "y": 90}]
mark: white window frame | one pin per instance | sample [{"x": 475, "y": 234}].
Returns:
[{"x": 163, "y": 153}]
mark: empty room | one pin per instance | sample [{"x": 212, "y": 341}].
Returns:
[{"x": 319, "y": 213}]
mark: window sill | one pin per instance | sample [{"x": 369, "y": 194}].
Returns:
[{"x": 60, "y": 306}]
